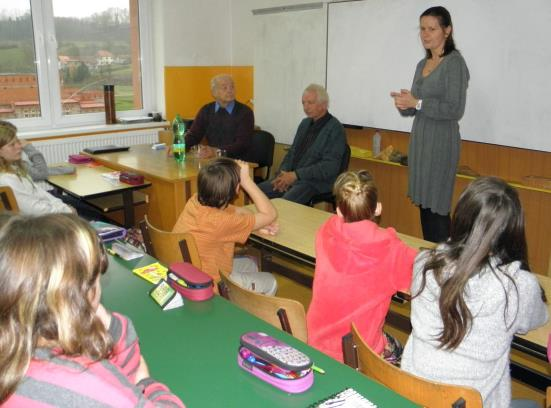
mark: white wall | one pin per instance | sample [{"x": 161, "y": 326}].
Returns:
[
  {"x": 196, "y": 32},
  {"x": 205, "y": 32},
  {"x": 243, "y": 41}
]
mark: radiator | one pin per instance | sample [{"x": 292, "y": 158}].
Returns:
[{"x": 58, "y": 150}]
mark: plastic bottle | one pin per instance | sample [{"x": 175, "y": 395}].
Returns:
[
  {"x": 376, "y": 143},
  {"x": 179, "y": 143}
]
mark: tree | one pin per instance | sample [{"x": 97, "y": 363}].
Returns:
[{"x": 82, "y": 73}]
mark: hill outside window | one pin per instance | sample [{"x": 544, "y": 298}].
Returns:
[{"x": 56, "y": 55}]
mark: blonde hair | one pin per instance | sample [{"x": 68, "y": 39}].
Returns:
[
  {"x": 49, "y": 269},
  {"x": 8, "y": 132},
  {"x": 356, "y": 195}
]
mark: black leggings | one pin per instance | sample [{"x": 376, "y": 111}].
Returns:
[{"x": 436, "y": 227}]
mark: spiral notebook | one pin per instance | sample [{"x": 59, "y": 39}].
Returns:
[{"x": 347, "y": 398}]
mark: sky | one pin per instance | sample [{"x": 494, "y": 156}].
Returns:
[{"x": 65, "y": 8}]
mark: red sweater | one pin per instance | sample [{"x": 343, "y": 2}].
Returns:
[
  {"x": 61, "y": 381},
  {"x": 359, "y": 266}
]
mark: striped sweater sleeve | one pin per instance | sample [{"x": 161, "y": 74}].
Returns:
[
  {"x": 126, "y": 349},
  {"x": 54, "y": 379},
  {"x": 126, "y": 356}
]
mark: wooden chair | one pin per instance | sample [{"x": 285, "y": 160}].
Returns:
[
  {"x": 548, "y": 397},
  {"x": 7, "y": 200},
  {"x": 424, "y": 392},
  {"x": 285, "y": 314},
  {"x": 169, "y": 247}
]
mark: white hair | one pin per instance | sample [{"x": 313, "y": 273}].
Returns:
[
  {"x": 321, "y": 94},
  {"x": 215, "y": 79}
]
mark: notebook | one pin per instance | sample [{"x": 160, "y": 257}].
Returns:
[
  {"x": 347, "y": 398},
  {"x": 106, "y": 149}
]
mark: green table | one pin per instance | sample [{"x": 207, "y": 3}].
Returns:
[{"x": 193, "y": 349}]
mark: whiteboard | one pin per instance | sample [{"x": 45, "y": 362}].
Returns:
[
  {"x": 289, "y": 54},
  {"x": 373, "y": 47}
]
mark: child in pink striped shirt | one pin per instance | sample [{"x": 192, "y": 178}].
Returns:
[{"x": 58, "y": 345}]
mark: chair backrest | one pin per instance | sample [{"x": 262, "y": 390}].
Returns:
[
  {"x": 427, "y": 393},
  {"x": 7, "y": 200},
  {"x": 285, "y": 314},
  {"x": 345, "y": 161},
  {"x": 169, "y": 247},
  {"x": 261, "y": 150}
]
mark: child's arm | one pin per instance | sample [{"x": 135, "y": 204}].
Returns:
[
  {"x": 267, "y": 213},
  {"x": 126, "y": 349},
  {"x": 532, "y": 311},
  {"x": 126, "y": 357}
]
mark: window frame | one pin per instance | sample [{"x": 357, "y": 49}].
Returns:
[{"x": 47, "y": 72}]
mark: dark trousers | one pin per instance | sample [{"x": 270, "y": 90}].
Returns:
[
  {"x": 300, "y": 192},
  {"x": 436, "y": 227},
  {"x": 83, "y": 209}
]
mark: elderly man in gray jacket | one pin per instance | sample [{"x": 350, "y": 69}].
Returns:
[{"x": 312, "y": 163}]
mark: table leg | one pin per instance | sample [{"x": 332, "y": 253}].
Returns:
[{"x": 128, "y": 206}]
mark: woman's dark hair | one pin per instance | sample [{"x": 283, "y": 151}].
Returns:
[
  {"x": 488, "y": 222},
  {"x": 217, "y": 182},
  {"x": 445, "y": 21}
]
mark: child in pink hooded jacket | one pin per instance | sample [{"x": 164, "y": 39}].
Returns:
[{"x": 359, "y": 266}]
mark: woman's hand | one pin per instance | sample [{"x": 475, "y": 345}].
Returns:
[{"x": 404, "y": 99}]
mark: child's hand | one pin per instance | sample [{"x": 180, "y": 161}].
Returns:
[
  {"x": 243, "y": 170},
  {"x": 142, "y": 371},
  {"x": 104, "y": 316},
  {"x": 271, "y": 229}
]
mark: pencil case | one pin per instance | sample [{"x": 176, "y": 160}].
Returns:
[
  {"x": 275, "y": 362},
  {"x": 108, "y": 232},
  {"x": 131, "y": 178},
  {"x": 190, "y": 282},
  {"x": 79, "y": 159}
]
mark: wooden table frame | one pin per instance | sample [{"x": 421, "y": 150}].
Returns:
[
  {"x": 172, "y": 183},
  {"x": 87, "y": 182}
]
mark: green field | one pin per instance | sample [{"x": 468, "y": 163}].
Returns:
[
  {"x": 124, "y": 98},
  {"x": 16, "y": 60}
]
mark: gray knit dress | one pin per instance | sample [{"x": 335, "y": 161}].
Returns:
[{"x": 435, "y": 141}]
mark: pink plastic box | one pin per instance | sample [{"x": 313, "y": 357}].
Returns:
[
  {"x": 192, "y": 283},
  {"x": 275, "y": 362}
]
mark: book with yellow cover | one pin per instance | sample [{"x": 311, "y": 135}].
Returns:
[{"x": 152, "y": 273}]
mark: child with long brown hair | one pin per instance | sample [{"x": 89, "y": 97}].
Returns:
[
  {"x": 473, "y": 293},
  {"x": 58, "y": 345},
  {"x": 31, "y": 198},
  {"x": 359, "y": 266}
]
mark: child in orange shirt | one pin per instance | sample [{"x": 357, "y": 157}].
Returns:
[{"x": 217, "y": 225}]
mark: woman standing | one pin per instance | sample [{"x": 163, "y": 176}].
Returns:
[{"x": 437, "y": 99}]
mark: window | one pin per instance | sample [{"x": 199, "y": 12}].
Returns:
[{"x": 56, "y": 56}]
